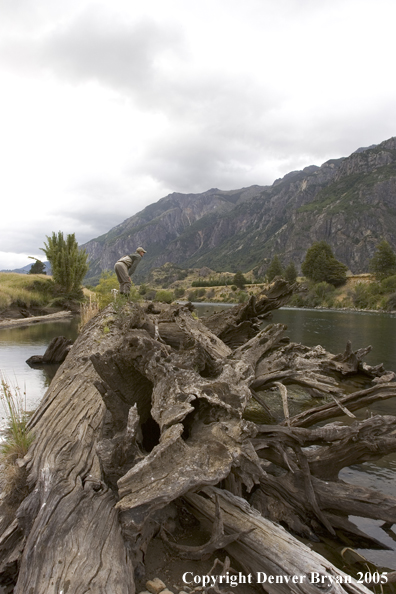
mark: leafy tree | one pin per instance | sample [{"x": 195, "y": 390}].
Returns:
[
  {"x": 274, "y": 269},
  {"x": 38, "y": 267},
  {"x": 320, "y": 265},
  {"x": 291, "y": 273},
  {"x": 69, "y": 264},
  {"x": 383, "y": 263},
  {"x": 239, "y": 280}
]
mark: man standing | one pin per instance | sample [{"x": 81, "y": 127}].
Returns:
[{"x": 125, "y": 267}]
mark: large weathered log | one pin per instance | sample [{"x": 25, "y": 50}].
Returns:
[
  {"x": 66, "y": 547},
  {"x": 237, "y": 325},
  {"x": 148, "y": 407},
  {"x": 271, "y": 551},
  {"x": 341, "y": 445}
]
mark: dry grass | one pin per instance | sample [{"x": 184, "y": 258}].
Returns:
[
  {"x": 88, "y": 311},
  {"x": 25, "y": 290},
  {"x": 16, "y": 443},
  {"x": 17, "y": 437}
]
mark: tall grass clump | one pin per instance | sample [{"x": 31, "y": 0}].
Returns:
[
  {"x": 18, "y": 437},
  {"x": 88, "y": 310},
  {"x": 17, "y": 441}
]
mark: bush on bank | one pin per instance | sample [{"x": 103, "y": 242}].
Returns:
[{"x": 364, "y": 295}]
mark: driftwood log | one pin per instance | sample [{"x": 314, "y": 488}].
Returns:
[{"x": 149, "y": 412}]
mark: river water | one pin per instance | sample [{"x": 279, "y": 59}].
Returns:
[{"x": 331, "y": 329}]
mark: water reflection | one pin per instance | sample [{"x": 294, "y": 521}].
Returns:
[
  {"x": 332, "y": 329},
  {"x": 18, "y": 344}
]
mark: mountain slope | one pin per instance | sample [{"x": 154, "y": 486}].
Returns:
[{"x": 348, "y": 202}]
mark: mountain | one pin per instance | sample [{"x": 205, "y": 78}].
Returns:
[{"x": 349, "y": 202}]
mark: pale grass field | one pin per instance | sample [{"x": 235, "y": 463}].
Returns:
[{"x": 23, "y": 289}]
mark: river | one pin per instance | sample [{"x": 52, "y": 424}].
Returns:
[{"x": 331, "y": 329}]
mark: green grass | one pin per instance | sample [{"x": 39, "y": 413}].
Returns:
[{"x": 25, "y": 290}]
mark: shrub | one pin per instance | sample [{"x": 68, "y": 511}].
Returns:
[
  {"x": 164, "y": 296},
  {"x": 196, "y": 295},
  {"x": 391, "y": 303},
  {"x": 243, "y": 297},
  {"x": 323, "y": 290},
  {"x": 366, "y": 296},
  {"x": 389, "y": 284}
]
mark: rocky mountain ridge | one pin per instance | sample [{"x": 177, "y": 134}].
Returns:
[{"x": 349, "y": 202}]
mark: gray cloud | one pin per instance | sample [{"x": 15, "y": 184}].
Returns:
[
  {"x": 221, "y": 124},
  {"x": 97, "y": 45}
]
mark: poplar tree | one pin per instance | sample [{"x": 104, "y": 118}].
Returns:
[
  {"x": 274, "y": 269},
  {"x": 69, "y": 264},
  {"x": 291, "y": 273}
]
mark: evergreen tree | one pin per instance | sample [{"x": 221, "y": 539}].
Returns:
[
  {"x": 291, "y": 273},
  {"x": 38, "y": 267},
  {"x": 320, "y": 265},
  {"x": 383, "y": 263},
  {"x": 239, "y": 280},
  {"x": 68, "y": 263},
  {"x": 274, "y": 269}
]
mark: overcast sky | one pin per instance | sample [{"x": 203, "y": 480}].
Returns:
[{"x": 109, "y": 106}]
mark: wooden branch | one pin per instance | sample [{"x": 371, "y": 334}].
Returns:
[
  {"x": 283, "y": 392},
  {"x": 269, "y": 549},
  {"x": 218, "y": 539},
  {"x": 353, "y": 402},
  {"x": 237, "y": 325}
]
